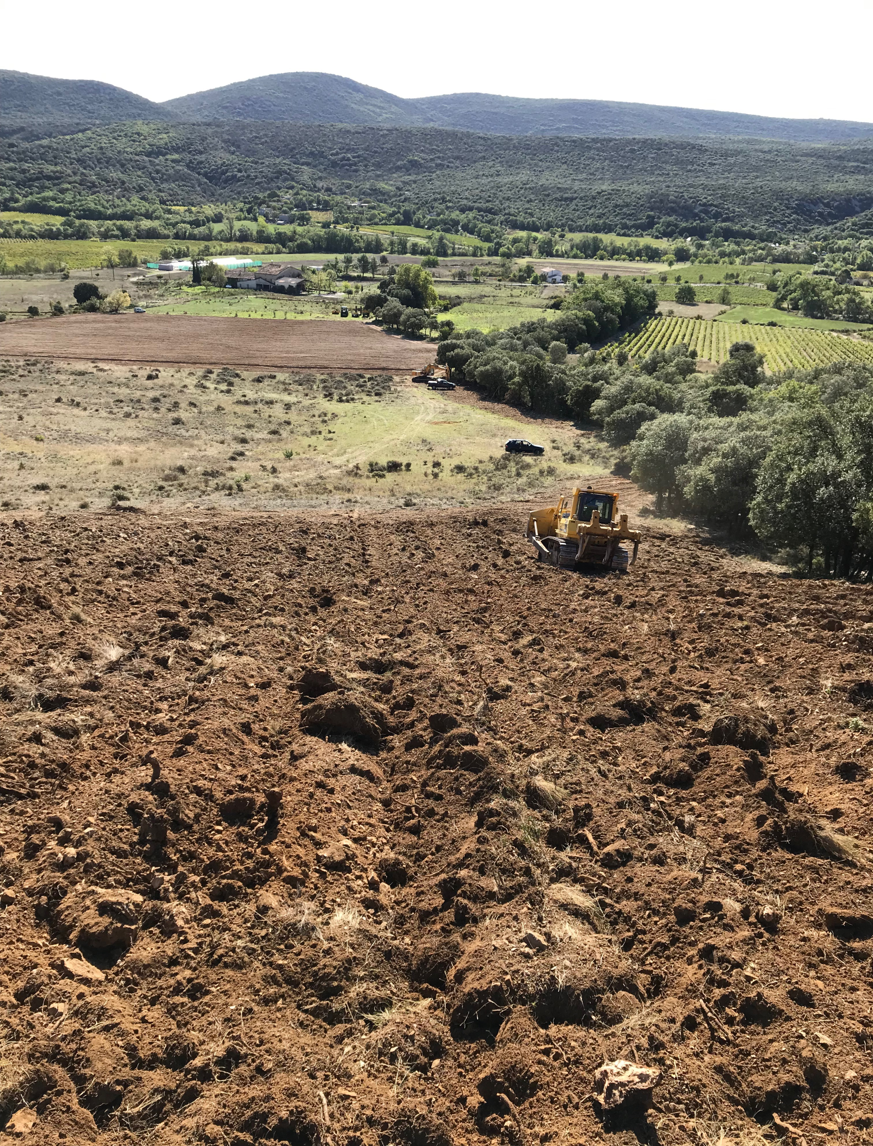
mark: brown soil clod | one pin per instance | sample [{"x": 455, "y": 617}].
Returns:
[
  {"x": 352, "y": 715},
  {"x": 743, "y": 732}
]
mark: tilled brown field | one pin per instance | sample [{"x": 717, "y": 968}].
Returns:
[
  {"x": 350, "y": 831},
  {"x": 187, "y": 340}
]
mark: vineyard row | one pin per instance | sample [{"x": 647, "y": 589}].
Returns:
[{"x": 783, "y": 348}]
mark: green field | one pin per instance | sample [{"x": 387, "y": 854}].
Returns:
[
  {"x": 422, "y": 233},
  {"x": 717, "y": 272},
  {"x": 749, "y": 296},
  {"x": 80, "y": 253},
  {"x": 622, "y": 240},
  {"x": 492, "y": 316},
  {"x": 26, "y": 217},
  {"x": 759, "y": 314},
  {"x": 782, "y": 347},
  {"x": 487, "y": 306}
]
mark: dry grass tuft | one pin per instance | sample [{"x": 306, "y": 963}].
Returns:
[
  {"x": 344, "y": 923},
  {"x": 542, "y": 793},
  {"x": 211, "y": 667},
  {"x": 111, "y": 653}
]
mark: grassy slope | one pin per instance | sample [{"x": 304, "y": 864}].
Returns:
[
  {"x": 749, "y": 296},
  {"x": 78, "y": 253},
  {"x": 108, "y": 432},
  {"x": 757, "y": 314},
  {"x": 423, "y": 233},
  {"x": 487, "y": 306},
  {"x": 717, "y": 272}
]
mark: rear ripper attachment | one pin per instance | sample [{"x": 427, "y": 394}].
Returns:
[{"x": 582, "y": 530}]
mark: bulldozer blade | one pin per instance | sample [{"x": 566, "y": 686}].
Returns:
[{"x": 534, "y": 539}]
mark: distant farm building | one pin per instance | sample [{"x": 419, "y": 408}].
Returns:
[
  {"x": 552, "y": 276},
  {"x": 282, "y": 278}
]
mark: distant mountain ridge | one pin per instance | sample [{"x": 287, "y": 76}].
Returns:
[{"x": 318, "y": 97}]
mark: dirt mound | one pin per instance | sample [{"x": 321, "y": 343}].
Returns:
[
  {"x": 304, "y": 839},
  {"x": 346, "y": 714}
]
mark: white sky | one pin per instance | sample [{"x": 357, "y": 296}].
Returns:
[{"x": 767, "y": 57}]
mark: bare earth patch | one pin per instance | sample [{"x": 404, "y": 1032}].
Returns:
[
  {"x": 196, "y": 341},
  {"x": 706, "y": 310},
  {"x": 325, "y": 830}
]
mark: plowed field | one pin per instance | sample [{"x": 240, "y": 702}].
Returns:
[
  {"x": 192, "y": 341},
  {"x": 365, "y": 830}
]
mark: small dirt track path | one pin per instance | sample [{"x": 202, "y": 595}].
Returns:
[{"x": 197, "y": 341}]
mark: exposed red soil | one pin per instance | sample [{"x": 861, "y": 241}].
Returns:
[
  {"x": 188, "y": 340},
  {"x": 350, "y": 831}
]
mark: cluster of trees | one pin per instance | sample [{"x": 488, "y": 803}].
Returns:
[
  {"x": 90, "y": 299},
  {"x": 404, "y": 300},
  {"x": 527, "y": 364},
  {"x": 792, "y": 458},
  {"x": 789, "y": 456},
  {"x": 820, "y": 297}
]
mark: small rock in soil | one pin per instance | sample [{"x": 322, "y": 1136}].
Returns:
[
  {"x": 620, "y": 1082},
  {"x": 535, "y": 941},
  {"x": 616, "y": 855},
  {"x": 21, "y": 1122},
  {"x": 84, "y": 972}
]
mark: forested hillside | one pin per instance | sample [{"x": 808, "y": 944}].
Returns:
[
  {"x": 29, "y": 100},
  {"x": 297, "y": 97},
  {"x": 687, "y": 186}
]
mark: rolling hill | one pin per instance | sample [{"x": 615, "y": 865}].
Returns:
[
  {"x": 27, "y": 100},
  {"x": 316, "y": 97},
  {"x": 298, "y": 97}
]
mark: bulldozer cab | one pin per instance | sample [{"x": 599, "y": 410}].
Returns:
[{"x": 589, "y": 501}]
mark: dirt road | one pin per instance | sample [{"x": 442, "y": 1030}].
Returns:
[
  {"x": 373, "y": 830},
  {"x": 245, "y": 343}
]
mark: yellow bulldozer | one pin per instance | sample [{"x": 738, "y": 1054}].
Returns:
[
  {"x": 431, "y": 373},
  {"x": 583, "y": 529}
]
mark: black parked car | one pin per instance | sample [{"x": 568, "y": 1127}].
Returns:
[
  {"x": 440, "y": 384},
  {"x": 521, "y": 446}
]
